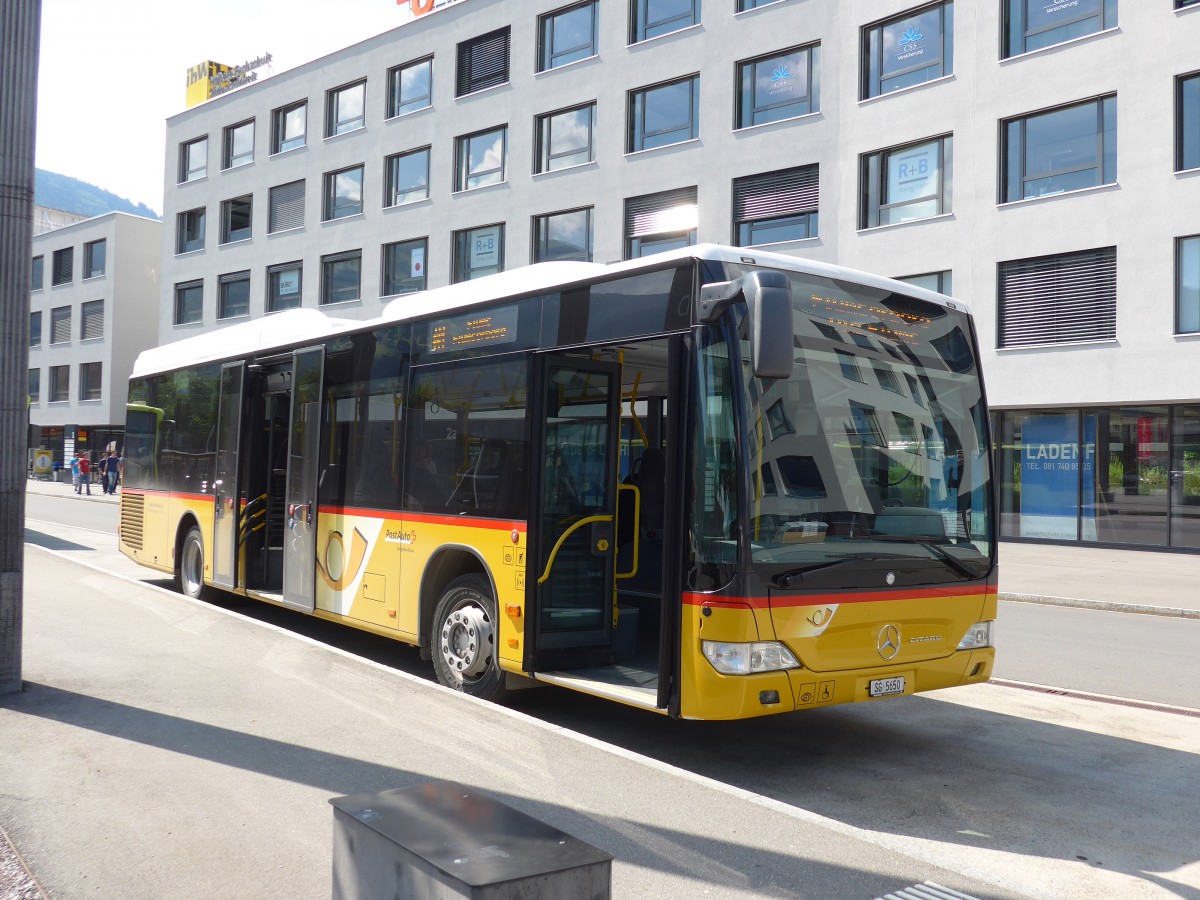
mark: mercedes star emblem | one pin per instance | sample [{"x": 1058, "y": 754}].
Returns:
[{"x": 889, "y": 641}]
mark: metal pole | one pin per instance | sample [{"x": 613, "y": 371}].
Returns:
[{"x": 19, "y": 31}]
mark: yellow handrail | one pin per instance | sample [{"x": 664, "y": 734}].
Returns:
[{"x": 588, "y": 520}]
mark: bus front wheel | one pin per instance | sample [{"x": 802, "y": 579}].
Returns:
[
  {"x": 465, "y": 635},
  {"x": 189, "y": 572}
]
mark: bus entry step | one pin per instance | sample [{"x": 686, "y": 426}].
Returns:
[{"x": 442, "y": 839}]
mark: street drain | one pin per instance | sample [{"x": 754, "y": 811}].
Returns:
[
  {"x": 1098, "y": 698},
  {"x": 927, "y": 891}
]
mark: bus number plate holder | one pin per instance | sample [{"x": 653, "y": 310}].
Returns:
[{"x": 886, "y": 687}]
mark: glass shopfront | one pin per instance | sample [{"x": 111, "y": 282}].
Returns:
[{"x": 1108, "y": 475}]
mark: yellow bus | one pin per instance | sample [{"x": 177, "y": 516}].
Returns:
[{"x": 713, "y": 483}]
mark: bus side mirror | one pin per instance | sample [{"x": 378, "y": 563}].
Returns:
[{"x": 768, "y": 297}]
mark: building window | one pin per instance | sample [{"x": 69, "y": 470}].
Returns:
[
  {"x": 235, "y": 219},
  {"x": 341, "y": 277},
  {"x": 652, "y": 18},
  {"x": 482, "y": 62},
  {"x": 60, "y": 325},
  {"x": 776, "y": 206},
  {"x": 566, "y": 138},
  {"x": 743, "y": 5},
  {"x": 286, "y": 207},
  {"x": 1187, "y": 285},
  {"x": 1063, "y": 299},
  {"x": 90, "y": 378},
  {"x": 345, "y": 109},
  {"x": 563, "y": 235},
  {"x": 239, "y": 145},
  {"x": 36, "y": 277},
  {"x": 848, "y": 363},
  {"x": 480, "y": 159},
  {"x": 1181, "y": 4},
  {"x": 1064, "y": 149},
  {"x": 94, "y": 253},
  {"x": 407, "y": 177},
  {"x": 35, "y": 329},
  {"x": 404, "y": 267},
  {"x": 909, "y": 49},
  {"x": 658, "y": 222},
  {"x": 478, "y": 252},
  {"x": 410, "y": 87},
  {"x": 35, "y": 385},
  {"x": 189, "y": 231},
  {"x": 189, "y": 302},
  {"x": 566, "y": 35},
  {"x": 940, "y": 282},
  {"x": 905, "y": 183},
  {"x": 1187, "y": 122},
  {"x": 1034, "y": 24},
  {"x": 193, "y": 160},
  {"x": 343, "y": 193},
  {"x": 233, "y": 297},
  {"x": 289, "y": 127},
  {"x": 780, "y": 86},
  {"x": 91, "y": 320},
  {"x": 60, "y": 384},
  {"x": 64, "y": 266},
  {"x": 284, "y": 286},
  {"x": 664, "y": 114}
]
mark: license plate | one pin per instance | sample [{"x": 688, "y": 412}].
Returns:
[{"x": 884, "y": 687}]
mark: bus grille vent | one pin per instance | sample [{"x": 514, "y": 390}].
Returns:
[{"x": 133, "y": 513}]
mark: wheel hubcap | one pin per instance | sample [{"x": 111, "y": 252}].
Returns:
[
  {"x": 467, "y": 641},
  {"x": 191, "y": 568}
]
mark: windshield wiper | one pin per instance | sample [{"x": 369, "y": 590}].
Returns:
[
  {"x": 783, "y": 579},
  {"x": 940, "y": 552}
]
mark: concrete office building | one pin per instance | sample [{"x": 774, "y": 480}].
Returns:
[
  {"x": 1038, "y": 159},
  {"x": 92, "y": 311}
]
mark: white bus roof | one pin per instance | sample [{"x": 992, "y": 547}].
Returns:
[{"x": 298, "y": 326}]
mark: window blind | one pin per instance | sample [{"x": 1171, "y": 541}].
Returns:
[{"x": 1062, "y": 299}]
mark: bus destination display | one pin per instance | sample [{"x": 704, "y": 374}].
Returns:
[{"x": 498, "y": 326}]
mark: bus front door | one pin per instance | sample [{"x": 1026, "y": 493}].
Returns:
[
  {"x": 226, "y": 506},
  {"x": 574, "y": 551},
  {"x": 304, "y": 455}
]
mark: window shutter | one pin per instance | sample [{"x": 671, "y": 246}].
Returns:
[
  {"x": 1063, "y": 299},
  {"x": 92, "y": 316},
  {"x": 60, "y": 325},
  {"x": 664, "y": 212},
  {"x": 771, "y": 194},
  {"x": 287, "y": 207},
  {"x": 482, "y": 62},
  {"x": 64, "y": 263}
]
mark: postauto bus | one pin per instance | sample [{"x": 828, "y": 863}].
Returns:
[{"x": 713, "y": 483}]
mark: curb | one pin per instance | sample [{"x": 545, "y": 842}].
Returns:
[{"x": 1107, "y": 605}]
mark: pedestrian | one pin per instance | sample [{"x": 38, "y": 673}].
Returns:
[
  {"x": 109, "y": 467},
  {"x": 85, "y": 472},
  {"x": 74, "y": 464}
]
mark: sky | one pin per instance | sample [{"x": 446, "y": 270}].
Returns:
[{"x": 110, "y": 73}]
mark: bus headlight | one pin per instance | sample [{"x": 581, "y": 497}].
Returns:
[
  {"x": 745, "y": 659},
  {"x": 977, "y": 636}
]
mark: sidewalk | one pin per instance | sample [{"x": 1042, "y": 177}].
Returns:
[{"x": 66, "y": 489}]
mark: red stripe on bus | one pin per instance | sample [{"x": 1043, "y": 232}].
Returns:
[
  {"x": 929, "y": 593},
  {"x": 144, "y": 492},
  {"x": 468, "y": 521}
]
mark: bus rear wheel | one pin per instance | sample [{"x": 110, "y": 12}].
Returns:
[
  {"x": 189, "y": 570},
  {"x": 465, "y": 636}
]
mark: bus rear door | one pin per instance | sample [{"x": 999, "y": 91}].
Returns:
[
  {"x": 576, "y": 432},
  {"x": 225, "y": 484}
]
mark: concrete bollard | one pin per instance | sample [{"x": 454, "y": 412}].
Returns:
[{"x": 445, "y": 840}]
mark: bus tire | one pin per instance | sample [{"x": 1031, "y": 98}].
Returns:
[
  {"x": 189, "y": 570},
  {"x": 466, "y": 637}
]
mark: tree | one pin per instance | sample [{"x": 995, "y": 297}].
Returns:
[{"x": 19, "y": 32}]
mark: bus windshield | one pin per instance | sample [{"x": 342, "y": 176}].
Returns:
[{"x": 869, "y": 466}]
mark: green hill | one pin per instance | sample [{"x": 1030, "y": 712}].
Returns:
[{"x": 72, "y": 195}]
